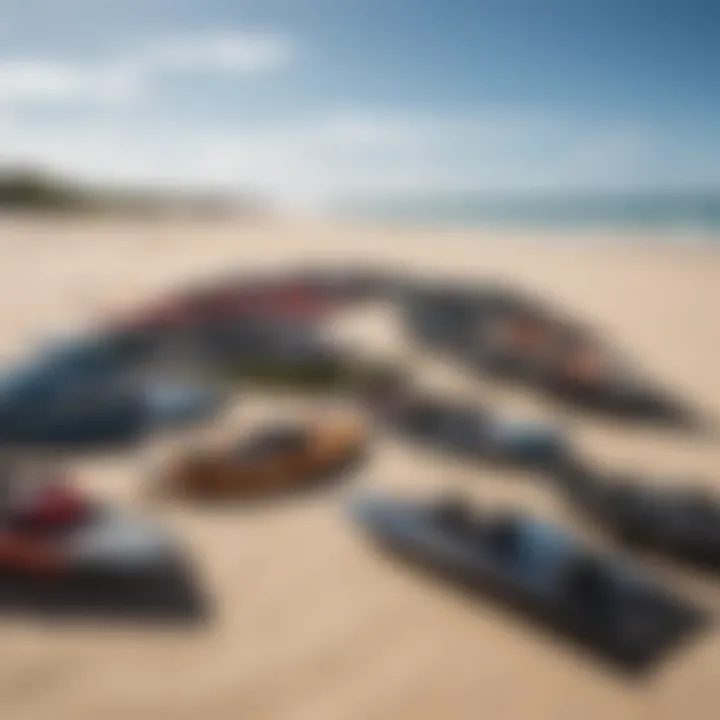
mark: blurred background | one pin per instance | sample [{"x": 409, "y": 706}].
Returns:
[{"x": 467, "y": 111}]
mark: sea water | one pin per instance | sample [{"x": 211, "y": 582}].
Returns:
[{"x": 677, "y": 213}]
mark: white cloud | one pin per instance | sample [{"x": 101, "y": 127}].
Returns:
[
  {"x": 361, "y": 129},
  {"x": 57, "y": 81},
  {"x": 124, "y": 77},
  {"x": 341, "y": 154},
  {"x": 241, "y": 53}
]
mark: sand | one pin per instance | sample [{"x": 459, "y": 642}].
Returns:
[{"x": 311, "y": 623}]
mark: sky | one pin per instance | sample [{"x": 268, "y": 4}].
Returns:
[{"x": 314, "y": 102}]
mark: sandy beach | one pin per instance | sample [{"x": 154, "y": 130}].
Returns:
[{"x": 311, "y": 622}]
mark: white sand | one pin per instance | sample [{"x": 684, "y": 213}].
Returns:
[{"x": 311, "y": 623}]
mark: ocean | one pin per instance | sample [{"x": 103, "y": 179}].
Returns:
[{"x": 696, "y": 213}]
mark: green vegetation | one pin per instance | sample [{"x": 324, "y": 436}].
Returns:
[{"x": 31, "y": 189}]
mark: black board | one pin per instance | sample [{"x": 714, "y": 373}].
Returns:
[{"x": 609, "y": 607}]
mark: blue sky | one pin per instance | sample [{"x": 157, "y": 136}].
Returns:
[{"x": 314, "y": 101}]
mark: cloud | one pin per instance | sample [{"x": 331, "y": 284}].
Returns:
[
  {"x": 238, "y": 53},
  {"x": 57, "y": 81},
  {"x": 336, "y": 155},
  {"x": 125, "y": 77},
  {"x": 361, "y": 129}
]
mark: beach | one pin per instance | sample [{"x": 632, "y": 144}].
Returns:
[{"x": 312, "y": 622}]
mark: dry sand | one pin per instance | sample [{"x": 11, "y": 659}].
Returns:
[{"x": 311, "y": 623}]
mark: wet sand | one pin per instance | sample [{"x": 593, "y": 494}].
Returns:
[{"x": 311, "y": 622}]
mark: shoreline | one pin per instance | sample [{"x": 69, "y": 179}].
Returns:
[{"x": 524, "y": 232}]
